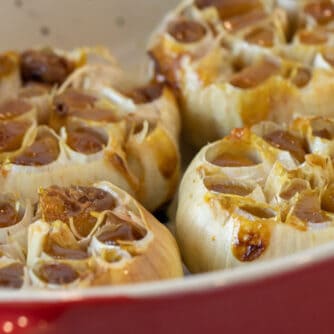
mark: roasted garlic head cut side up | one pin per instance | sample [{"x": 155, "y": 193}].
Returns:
[
  {"x": 97, "y": 235},
  {"x": 76, "y": 118},
  {"x": 236, "y": 63},
  {"x": 260, "y": 193},
  {"x": 82, "y": 236}
]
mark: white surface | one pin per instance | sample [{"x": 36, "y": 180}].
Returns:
[{"x": 124, "y": 25}]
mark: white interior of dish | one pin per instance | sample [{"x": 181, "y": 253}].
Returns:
[{"x": 124, "y": 26}]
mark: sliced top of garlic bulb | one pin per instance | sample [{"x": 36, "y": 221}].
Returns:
[
  {"x": 234, "y": 64},
  {"x": 259, "y": 193},
  {"x": 96, "y": 235}
]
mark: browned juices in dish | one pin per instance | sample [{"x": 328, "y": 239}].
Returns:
[
  {"x": 43, "y": 151},
  {"x": 308, "y": 209},
  {"x": 312, "y": 37},
  {"x": 229, "y": 188},
  {"x": 57, "y": 273},
  {"x": 11, "y": 276},
  {"x": 13, "y": 108},
  {"x": 284, "y": 140},
  {"x": 146, "y": 94},
  {"x": 301, "y": 77},
  {"x": 44, "y": 66},
  {"x": 77, "y": 104},
  {"x": 322, "y": 11},
  {"x": 261, "y": 36},
  {"x": 57, "y": 203},
  {"x": 254, "y": 75},
  {"x": 8, "y": 215},
  {"x": 86, "y": 141},
  {"x": 252, "y": 240},
  {"x": 120, "y": 230},
  {"x": 186, "y": 31},
  {"x": 11, "y": 135},
  {"x": 233, "y": 160}
]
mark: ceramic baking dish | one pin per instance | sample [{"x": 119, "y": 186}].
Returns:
[{"x": 288, "y": 295}]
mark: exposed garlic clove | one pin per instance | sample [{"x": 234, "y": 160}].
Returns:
[
  {"x": 228, "y": 219},
  {"x": 261, "y": 58}
]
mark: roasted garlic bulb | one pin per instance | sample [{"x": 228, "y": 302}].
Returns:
[
  {"x": 81, "y": 237},
  {"x": 236, "y": 63},
  {"x": 77, "y": 118},
  {"x": 259, "y": 193},
  {"x": 97, "y": 235}
]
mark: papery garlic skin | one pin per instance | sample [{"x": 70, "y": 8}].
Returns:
[{"x": 232, "y": 216}]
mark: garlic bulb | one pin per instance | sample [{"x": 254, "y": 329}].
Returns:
[
  {"x": 34, "y": 75},
  {"x": 97, "y": 235},
  {"x": 260, "y": 193},
  {"x": 236, "y": 64}
]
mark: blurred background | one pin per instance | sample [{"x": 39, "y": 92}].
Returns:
[{"x": 124, "y": 25}]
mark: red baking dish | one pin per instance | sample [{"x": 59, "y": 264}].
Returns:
[{"x": 287, "y": 295}]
